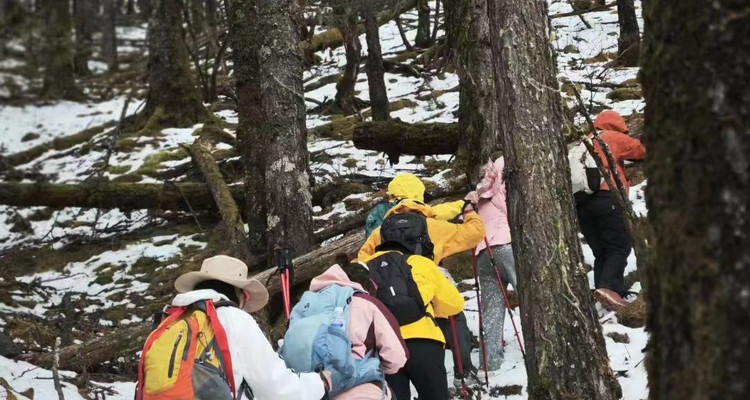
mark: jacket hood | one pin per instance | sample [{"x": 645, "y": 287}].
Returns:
[
  {"x": 406, "y": 186},
  {"x": 609, "y": 120},
  {"x": 492, "y": 182},
  {"x": 334, "y": 275},
  {"x": 411, "y": 205},
  {"x": 188, "y": 298}
]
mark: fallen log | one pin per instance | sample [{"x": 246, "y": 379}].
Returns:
[
  {"x": 232, "y": 228},
  {"x": 123, "y": 342},
  {"x": 395, "y": 138},
  {"x": 108, "y": 195}
]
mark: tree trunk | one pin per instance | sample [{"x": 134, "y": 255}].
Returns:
[
  {"x": 173, "y": 99},
  {"x": 423, "y": 39},
  {"x": 57, "y": 52},
  {"x": 272, "y": 133},
  {"x": 345, "y": 99},
  {"x": 559, "y": 321},
  {"x": 84, "y": 18},
  {"x": 375, "y": 71},
  {"x": 395, "y": 138},
  {"x": 477, "y": 112},
  {"x": 109, "y": 37},
  {"x": 629, "y": 42},
  {"x": 697, "y": 131}
]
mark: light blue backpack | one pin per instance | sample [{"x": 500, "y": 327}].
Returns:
[{"x": 315, "y": 343}]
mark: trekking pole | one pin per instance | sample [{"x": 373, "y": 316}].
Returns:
[
  {"x": 481, "y": 325},
  {"x": 457, "y": 353},
  {"x": 285, "y": 267},
  {"x": 505, "y": 295}
]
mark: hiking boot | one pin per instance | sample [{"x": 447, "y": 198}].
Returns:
[{"x": 610, "y": 299}]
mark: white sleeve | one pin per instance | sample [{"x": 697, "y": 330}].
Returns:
[{"x": 255, "y": 361}]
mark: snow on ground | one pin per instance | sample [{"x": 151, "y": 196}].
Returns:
[
  {"x": 49, "y": 122},
  {"x": 27, "y": 382}
]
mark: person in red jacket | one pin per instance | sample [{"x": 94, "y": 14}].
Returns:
[{"x": 600, "y": 217}]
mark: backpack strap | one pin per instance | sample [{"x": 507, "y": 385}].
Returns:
[
  {"x": 220, "y": 336},
  {"x": 173, "y": 313}
]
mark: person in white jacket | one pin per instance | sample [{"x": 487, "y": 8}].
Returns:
[{"x": 254, "y": 361}]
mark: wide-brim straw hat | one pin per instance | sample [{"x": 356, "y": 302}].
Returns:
[{"x": 228, "y": 270}]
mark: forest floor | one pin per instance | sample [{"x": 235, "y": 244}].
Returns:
[{"x": 110, "y": 268}]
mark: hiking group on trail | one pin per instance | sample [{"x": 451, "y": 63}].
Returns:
[{"x": 378, "y": 325}]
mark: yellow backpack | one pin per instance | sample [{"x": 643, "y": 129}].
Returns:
[{"x": 187, "y": 357}]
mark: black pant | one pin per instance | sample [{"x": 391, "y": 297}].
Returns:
[
  {"x": 464, "y": 341},
  {"x": 604, "y": 229},
  {"x": 425, "y": 368}
]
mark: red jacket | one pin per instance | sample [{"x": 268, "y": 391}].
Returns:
[{"x": 614, "y": 132}]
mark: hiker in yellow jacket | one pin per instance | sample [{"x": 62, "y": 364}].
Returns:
[
  {"x": 447, "y": 237},
  {"x": 425, "y": 367}
]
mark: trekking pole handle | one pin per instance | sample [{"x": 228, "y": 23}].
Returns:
[{"x": 284, "y": 259}]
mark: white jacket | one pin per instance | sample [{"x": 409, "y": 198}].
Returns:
[{"x": 253, "y": 358}]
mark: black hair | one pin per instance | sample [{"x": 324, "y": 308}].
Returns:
[
  {"x": 221, "y": 287},
  {"x": 359, "y": 274}
]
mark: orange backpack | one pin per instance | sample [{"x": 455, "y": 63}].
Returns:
[{"x": 187, "y": 357}]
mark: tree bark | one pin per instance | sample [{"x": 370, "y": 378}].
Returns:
[
  {"x": 125, "y": 196},
  {"x": 57, "y": 50},
  {"x": 477, "y": 112},
  {"x": 345, "y": 99},
  {"x": 375, "y": 71},
  {"x": 232, "y": 229},
  {"x": 559, "y": 321},
  {"x": 271, "y": 132},
  {"x": 395, "y": 138},
  {"x": 84, "y": 17},
  {"x": 109, "y": 37},
  {"x": 697, "y": 131},
  {"x": 173, "y": 99},
  {"x": 629, "y": 42},
  {"x": 423, "y": 39}
]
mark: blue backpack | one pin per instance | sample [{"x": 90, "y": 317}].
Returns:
[{"x": 314, "y": 343}]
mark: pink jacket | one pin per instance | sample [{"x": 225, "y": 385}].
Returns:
[
  {"x": 492, "y": 207},
  {"x": 371, "y": 326}
]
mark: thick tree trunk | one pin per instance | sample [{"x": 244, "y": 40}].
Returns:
[
  {"x": 84, "y": 18},
  {"x": 125, "y": 196},
  {"x": 272, "y": 133},
  {"x": 109, "y": 37},
  {"x": 173, "y": 98},
  {"x": 57, "y": 52},
  {"x": 477, "y": 112},
  {"x": 697, "y": 131},
  {"x": 559, "y": 321},
  {"x": 375, "y": 71},
  {"x": 232, "y": 229},
  {"x": 395, "y": 138},
  {"x": 629, "y": 42},
  {"x": 345, "y": 99},
  {"x": 423, "y": 39}
]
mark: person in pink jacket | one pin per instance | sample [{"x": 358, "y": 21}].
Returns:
[
  {"x": 371, "y": 326},
  {"x": 490, "y": 200}
]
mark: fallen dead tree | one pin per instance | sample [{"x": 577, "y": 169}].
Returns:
[
  {"x": 122, "y": 342},
  {"x": 395, "y": 138},
  {"x": 108, "y": 195}
]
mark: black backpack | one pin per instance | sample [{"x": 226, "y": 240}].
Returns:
[
  {"x": 406, "y": 232},
  {"x": 396, "y": 287}
]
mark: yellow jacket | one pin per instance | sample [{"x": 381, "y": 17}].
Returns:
[
  {"x": 438, "y": 293},
  {"x": 447, "y": 237}
]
